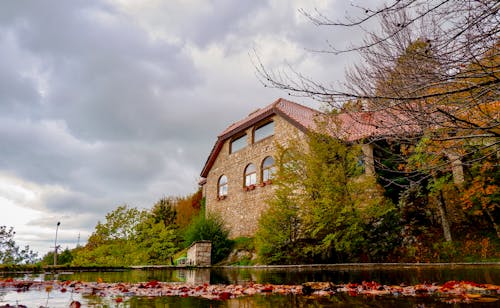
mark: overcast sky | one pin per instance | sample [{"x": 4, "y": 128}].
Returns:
[{"x": 113, "y": 102}]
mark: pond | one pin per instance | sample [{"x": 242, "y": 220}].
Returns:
[{"x": 338, "y": 274}]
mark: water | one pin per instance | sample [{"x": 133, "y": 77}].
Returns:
[{"x": 389, "y": 275}]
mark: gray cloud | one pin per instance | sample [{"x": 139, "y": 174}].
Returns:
[{"x": 105, "y": 103}]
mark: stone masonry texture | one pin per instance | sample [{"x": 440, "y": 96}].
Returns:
[
  {"x": 200, "y": 253},
  {"x": 242, "y": 209}
]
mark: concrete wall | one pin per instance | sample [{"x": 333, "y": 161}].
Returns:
[{"x": 241, "y": 209}]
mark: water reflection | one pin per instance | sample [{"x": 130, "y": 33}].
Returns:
[
  {"x": 280, "y": 301},
  {"x": 290, "y": 275},
  {"x": 386, "y": 275},
  {"x": 389, "y": 275}
]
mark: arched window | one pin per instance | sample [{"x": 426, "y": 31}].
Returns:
[
  {"x": 268, "y": 169},
  {"x": 222, "y": 186},
  {"x": 250, "y": 175}
]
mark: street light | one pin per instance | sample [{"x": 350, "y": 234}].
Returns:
[{"x": 55, "y": 244}]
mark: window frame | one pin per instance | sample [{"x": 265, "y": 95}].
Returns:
[
  {"x": 250, "y": 177},
  {"x": 268, "y": 172},
  {"x": 222, "y": 188},
  {"x": 242, "y": 137},
  {"x": 259, "y": 126}
]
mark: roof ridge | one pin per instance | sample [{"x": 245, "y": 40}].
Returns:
[{"x": 299, "y": 105}]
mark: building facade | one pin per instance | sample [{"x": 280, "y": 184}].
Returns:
[{"x": 237, "y": 177}]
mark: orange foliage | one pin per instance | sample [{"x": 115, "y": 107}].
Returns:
[
  {"x": 187, "y": 207},
  {"x": 480, "y": 191}
]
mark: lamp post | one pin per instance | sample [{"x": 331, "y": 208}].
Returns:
[{"x": 55, "y": 244}]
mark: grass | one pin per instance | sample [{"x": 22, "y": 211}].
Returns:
[
  {"x": 13, "y": 268},
  {"x": 244, "y": 243}
]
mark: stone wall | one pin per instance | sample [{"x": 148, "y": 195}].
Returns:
[
  {"x": 200, "y": 254},
  {"x": 241, "y": 209}
]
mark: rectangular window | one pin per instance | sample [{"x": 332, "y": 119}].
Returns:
[
  {"x": 238, "y": 143},
  {"x": 263, "y": 131}
]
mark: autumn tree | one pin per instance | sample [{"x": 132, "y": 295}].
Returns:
[
  {"x": 449, "y": 80},
  {"x": 481, "y": 194},
  {"x": 429, "y": 75},
  {"x": 187, "y": 208},
  {"x": 130, "y": 236}
]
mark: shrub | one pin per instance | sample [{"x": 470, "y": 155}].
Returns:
[{"x": 209, "y": 228}]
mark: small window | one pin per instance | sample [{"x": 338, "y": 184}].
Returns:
[
  {"x": 238, "y": 143},
  {"x": 263, "y": 131},
  {"x": 250, "y": 175},
  {"x": 268, "y": 169},
  {"x": 222, "y": 190}
]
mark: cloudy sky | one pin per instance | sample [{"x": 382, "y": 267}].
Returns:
[{"x": 110, "y": 102}]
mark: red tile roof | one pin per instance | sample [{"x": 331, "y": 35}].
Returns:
[
  {"x": 301, "y": 116},
  {"x": 370, "y": 124},
  {"x": 350, "y": 126}
]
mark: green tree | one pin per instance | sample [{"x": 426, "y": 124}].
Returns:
[
  {"x": 112, "y": 242},
  {"x": 164, "y": 211},
  {"x": 10, "y": 252},
  {"x": 157, "y": 237},
  {"x": 63, "y": 258},
  {"x": 324, "y": 206},
  {"x": 120, "y": 224},
  {"x": 330, "y": 213},
  {"x": 157, "y": 242},
  {"x": 279, "y": 236}
]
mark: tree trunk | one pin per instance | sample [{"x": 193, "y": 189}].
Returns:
[
  {"x": 497, "y": 229},
  {"x": 444, "y": 219}
]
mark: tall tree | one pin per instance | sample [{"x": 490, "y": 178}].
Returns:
[
  {"x": 280, "y": 236},
  {"x": 430, "y": 75},
  {"x": 157, "y": 236},
  {"x": 164, "y": 211},
  {"x": 325, "y": 206}
]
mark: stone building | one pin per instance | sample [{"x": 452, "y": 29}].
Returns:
[{"x": 237, "y": 177}]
